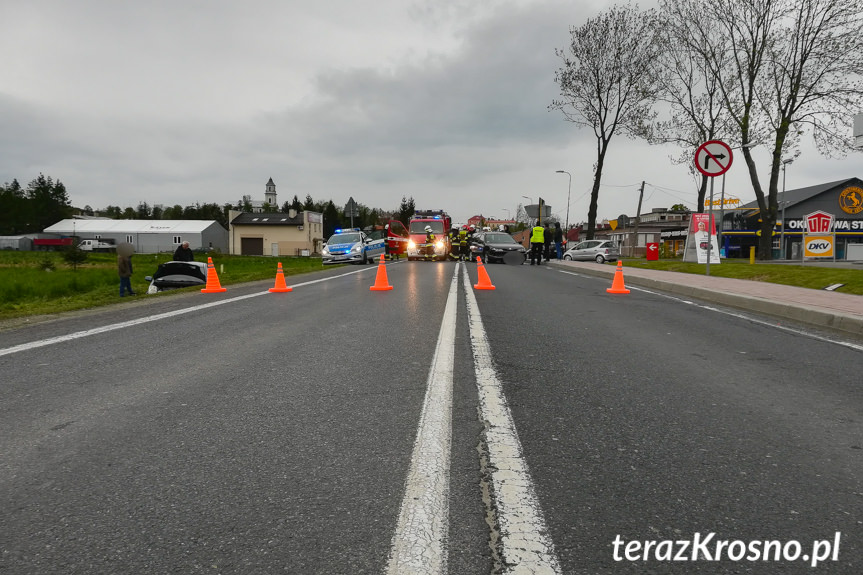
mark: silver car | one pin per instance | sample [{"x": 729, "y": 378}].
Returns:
[{"x": 599, "y": 250}]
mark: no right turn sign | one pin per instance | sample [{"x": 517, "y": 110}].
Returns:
[{"x": 713, "y": 158}]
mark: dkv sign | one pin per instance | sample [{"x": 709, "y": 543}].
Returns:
[
  {"x": 819, "y": 247},
  {"x": 819, "y": 239}
]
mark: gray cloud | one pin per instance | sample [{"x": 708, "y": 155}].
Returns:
[{"x": 445, "y": 102}]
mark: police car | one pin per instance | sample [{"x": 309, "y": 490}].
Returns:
[{"x": 351, "y": 246}]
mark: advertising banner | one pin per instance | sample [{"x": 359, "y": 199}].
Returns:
[{"x": 702, "y": 232}]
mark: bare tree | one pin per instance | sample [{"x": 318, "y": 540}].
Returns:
[
  {"x": 696, "y": 112},
  {"x": 783, "y": 66},
  {"x": 607, "y": 82}
]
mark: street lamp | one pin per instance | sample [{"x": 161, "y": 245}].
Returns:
[
  {"x": 568, "y": 193},
  {"x": 784, "y": 201}
]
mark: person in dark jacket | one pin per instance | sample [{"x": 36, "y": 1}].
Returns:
[
  {"x": 124, "y": 270},
  {"x": 558, "y": 240},
  {"x": 184, "y": 253}
]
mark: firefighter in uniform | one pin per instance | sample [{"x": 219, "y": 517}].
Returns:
[
  {"x": 429, "y": 244},
  {"x": 463, "y": 251},
  {"x": 387, "y": 255},
  {"x": 453, "y": 244},
  {"x": 537, "y": 244}
]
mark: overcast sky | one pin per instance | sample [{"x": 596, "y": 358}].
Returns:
[{"x": 178, "y": 102}]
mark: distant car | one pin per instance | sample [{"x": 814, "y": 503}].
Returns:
[
  {"x": 600, "y": 251},
  {"x": 494, "y": 246},
  {"x": 347, "y": 246},
  {"x": 175, "y": 275}
]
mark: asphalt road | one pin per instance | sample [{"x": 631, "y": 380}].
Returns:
[{"x": 249, "y": 432}]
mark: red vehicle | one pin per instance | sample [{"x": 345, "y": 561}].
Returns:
[
  {"x": 396, "y": 238},
  {"x": 52, "y": 243},
  {"x": 440, "y": 224}
]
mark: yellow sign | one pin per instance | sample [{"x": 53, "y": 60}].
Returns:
[
  {"x": 851, "y": 200},
  {"x": 725, "y": 202},
  {"x": 818, "y": 247},
  {"x": 613, "y": 224}
]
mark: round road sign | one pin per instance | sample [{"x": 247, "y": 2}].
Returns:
[{"x": 713, "y": 158}]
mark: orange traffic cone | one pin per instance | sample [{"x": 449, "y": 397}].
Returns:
[
  {"x": 617, "y": 282},
  {"x": 280, "y": 287},
  {"x": 482, "y": 275},
  {"x": 381, "y": 282},
  {"x": 213, "y": 285}
]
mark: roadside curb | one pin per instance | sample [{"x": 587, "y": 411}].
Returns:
[{"x": 845, "y": 324}]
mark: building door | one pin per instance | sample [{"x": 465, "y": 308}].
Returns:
[
  {"x": 252, "y": 246},
  {"x": 274, "y": 250}
]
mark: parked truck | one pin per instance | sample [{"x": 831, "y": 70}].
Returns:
[
  {"x": 98, "y": 245},
  {"x": 52, "y": 244}
]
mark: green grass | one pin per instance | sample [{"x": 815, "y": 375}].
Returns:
[
  {"x": 808, "y": 276},
  {"x": 36, "y": 283}
]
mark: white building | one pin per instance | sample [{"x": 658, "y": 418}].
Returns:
[{"x": 148, "y": 236}]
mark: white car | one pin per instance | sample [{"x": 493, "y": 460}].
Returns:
[{"x": 351, "y": 246}]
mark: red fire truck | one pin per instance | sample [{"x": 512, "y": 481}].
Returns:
[{"x": 440, "y": 224}]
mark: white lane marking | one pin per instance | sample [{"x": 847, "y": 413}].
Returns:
[
  {"x": 525, "y": 545},
  {"x": 419, "y": 543},
  {"x": 142, "y": 320},
  {"x": 738, "y": 315}
]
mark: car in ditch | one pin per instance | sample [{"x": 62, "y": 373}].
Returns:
[{"x": 176, "y": 275}]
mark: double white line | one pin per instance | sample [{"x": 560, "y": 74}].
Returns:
[{"x": 420, "y": 542}]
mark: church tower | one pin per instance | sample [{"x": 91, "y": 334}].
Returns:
[{"x": 270, "y": 194}]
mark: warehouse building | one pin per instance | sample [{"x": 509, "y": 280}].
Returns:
[{"x": 147, "y": 236}]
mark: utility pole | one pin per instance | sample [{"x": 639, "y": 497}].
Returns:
[{"x": 637, "y": 220}]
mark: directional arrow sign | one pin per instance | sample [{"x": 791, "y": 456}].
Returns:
[{"x": 713, "y": 158}]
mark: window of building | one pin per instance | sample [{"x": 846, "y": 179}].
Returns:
[
  {"x": 129, "y": 239},
  {"x": 177, "y": 240}
]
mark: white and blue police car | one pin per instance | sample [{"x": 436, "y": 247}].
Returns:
[{"x": 347, "y": 246}]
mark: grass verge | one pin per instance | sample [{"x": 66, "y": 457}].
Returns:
[
  {"x": 802, "y": 275},
  {"x": 38, "y": 283}
]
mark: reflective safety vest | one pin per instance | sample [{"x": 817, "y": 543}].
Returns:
[
  {"x": 537, "y": 235},
  {"x": 462, "y": 237},
  {"x": 429, "y": 238}
]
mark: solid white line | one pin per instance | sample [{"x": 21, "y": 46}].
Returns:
[
  {"x": 739, "y": 315},
  {"x": 419, "y": 543},
  {"x": 157, "y": 317},
  {"x": 525, "y": 545}
]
